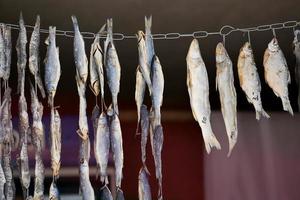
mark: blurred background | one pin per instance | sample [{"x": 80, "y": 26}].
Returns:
[{"x": 265, "y": 164}]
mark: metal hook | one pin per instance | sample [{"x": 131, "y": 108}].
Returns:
[
  {"x": 224, "y": 39},
  {"x": 249, "y": 37},
  {"x": 274, "y": 32}
]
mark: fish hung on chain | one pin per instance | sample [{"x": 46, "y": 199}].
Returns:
[{"x": 296, "y": 51}]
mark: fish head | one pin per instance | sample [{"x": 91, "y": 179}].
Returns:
[
  {"x": 273, "y": 45},
  {"x": 247, "y": 50},
  {"x": 53, "y": 193},
  {"x": 194, "y": 50},
  {"x": 221, "y": 53}
]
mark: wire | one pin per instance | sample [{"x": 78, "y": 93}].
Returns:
[{"x": 223, "y": 32}]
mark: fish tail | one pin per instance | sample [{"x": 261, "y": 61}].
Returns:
[
  {"x": 148, "y": 22},
  {"x": 262, "y": 113},
  {"x": 232, "y": 141},
  {"x": 75, "y": 22},
  {"x": 287, "y": 105},
  {"x": 38, "y": 21},
  {"x": 210, "y": 140},
  {"x": 160, "y": 193}
]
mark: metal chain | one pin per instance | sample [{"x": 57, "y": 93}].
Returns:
[{"x": 223, "y": 32}]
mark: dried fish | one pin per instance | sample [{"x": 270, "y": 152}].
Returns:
[
  {"x": 2, "y": 182},
  {"x": 198, "y": 89},
  {"x": 24, "y": 167},
  {"x": 54, "y": 193},
  {"x": 249, "y": 79},
  {"x": 296, "y": 44},
  {"x": 2, "y": 51},
  {"x": 8, "y": 49},
  {"x": 140, "y": 86},
  {"x": 39, "y": 178},
  {"x": 9, "y": 187},
  {"x": 80, "y": 58},
  {"x": 145, "y": 134},
  {"x": 277, "y": 74},
  {"x": 86, "y": 189},
  {"x": 34, "y": 59},
  {"x": 225, "y": 85},
  {"x": 117, "y": 147},
  {"x": 105, "y": 193},
  {"x": 113, "y": 68},
  {"x": 55, "y": 130},
  {"x": 144, "y": 186},
  {"x": 52, "y": 66}
]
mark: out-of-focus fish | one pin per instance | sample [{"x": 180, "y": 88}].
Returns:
[
  {"x": 2, "y": 50},
  {"x": 249, "y": 79},
  {"x": 105, "y": 193},
  {"x": 225, "y": 85},
  {"x": 8, "y": 49},
  {"x": 145, "y": 68},
  {"x": 54, "y": 193},
  {"x": 9, "y": 187},
  {"x": 2, "y": 182},
  {"x": 80, "y": 58},
  {"x": 117, "y": 147},
  {"x": 149, "y": 41},
  {"x": 55, "y": 130},
  {"x": 95, "y": 118},
  {"x": 158, "y": 139},
  {"x": 144, "y": 186},
  {"x": 140, "y": 86},
  {"x": 39, "y": 178},
  {"x": 145, "y": 133},
  {"x": 52, "y": 66},
  {"x": 102, "y": 145},
  {"x": 21, "y": 54},
  {"x": 34, "y": 59},
  {"x": 158, "y": 88},
  {"x": 120, "y": 194},
  {"x": 86, "y": 189},
  {"x": 296, "y": 44},
  {"x": 113, "y": 67},
  {"x": 277, "y": 74},
  {"x": 198, "y": 89}
]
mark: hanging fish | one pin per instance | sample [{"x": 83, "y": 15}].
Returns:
[
  {"x": 2, "y": 50},
  {"x": 277, "y": 74},
  {"x": 34, "y": 59},
  {"x": 145, "y": 68},
  {"x": 55, "y": 134},
  {"x": 80, "y": 58},
  {"x": 116, "y": 143},
  {"x": 140, "y": 86},
  {"x": 144, "y": 186},
  {"x": 249, "y": 79},
  {"x": 198, "y": 89},
  {"x": 22, "y": 55},
  {"x": 296, "y": 44},
  {"x": 86, "y": 189},
  {"x": 109, "y": 36},
  {"x": 158, "y": 88},
  {"x": 53, "y": 192},
  {"x": 102, "y": 146},
  {"x": 113, "y": 68},
  {"x": 225, "y": 85},
  {"x": 95, "y": 118},
  {"x": 120, "y": 194},
  {"x": 149, "y": 41},
  {"x": 8, "y": 49},
  {"x": 2, "y": 182},
  {"x": 9, "y": 187},
  {"x": 145, "y": 125},
  {"x": 52, "y": 66},
  {"x": 105, "y": 193}
]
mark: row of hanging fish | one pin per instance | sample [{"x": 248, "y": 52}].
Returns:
[
  {"x": 276, "y": 74},
  {"x": 149, "y": 74}
]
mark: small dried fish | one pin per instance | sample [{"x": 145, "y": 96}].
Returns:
[
  {"x": 198, "y": 89},
  {"x": 105, "y": 193},
  {"x": 102, "y": 146},
  {"x": 158, "y": 140},
  {"x": 296, "y": 44},
  {"x": 2, "y": 51},
  {"x": 145, "y": 134},
  {"x": 144, "y": 186},
  {"x": 54, "y": 193},
  {"x": 52, "y": 66},
  {"x": 2, "y": 182},
  {"x": 24, "y": 167},
  {"x": 34, "y": 59},
  {"x": 8, "y": 49},
  {"x": 86, "y": 189},
  {"x": 80, "y": 58},
  {"x": 21, "y": 54},
  {"x": 55, "y": 130},
  {"x": 113, "y": 68},
  {"x": 140, "y": 86},
  {"x": 249, "y": 79},
  {"x": 225, "y": 85},
  {"x": 117, "y": 147},
  {"x": 277, "y": 74},
  {"x": 39, "y": 178},
  {"x": 9, "y": 187}
]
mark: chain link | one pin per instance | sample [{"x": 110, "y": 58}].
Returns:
[{"x": 224, "y": 31}]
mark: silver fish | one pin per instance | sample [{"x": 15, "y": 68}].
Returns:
[
  {"x": 55, "y": 130},
  {"x": 34, "y": 59},
  {"x": 158, "y": 88},
  {"x": 120, "y": 194},
  {"x": 105, "y": 193},
  {"x": 21, "y": 54},
  {"x": 144, "y": 134},
  {"x": 54, "y": 193},
  {"x": 86, "y": 188},
  {"x": 80, "y": 58},
  {"x": 296, "y": 51},
  {"x": 52, "y": 65},
  {"x": 225, "y": 85},
  {"x": 95, "y": 118},
  {"x": 2, "y": 182},
  {"x": 198, "y": 89},
  {"x": 149, "y": 41},
  {"x": 249, "y": 79},
  {"x": 113, "y": 68},
  {"x": 140, "y": 86},
  {"x": 24, "y": 167},
  {"x": 277, "y": 74},
  {"x": 117, "y": 147},
  {"x": 2, "y": 50},
  {"x": 8, "y": 49},
  {"x": 102, "y": 145},
  {"x": 109, "y": 36},
  {"x": 144, "y": 186}
]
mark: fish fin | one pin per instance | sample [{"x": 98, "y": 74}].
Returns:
[
  {"x": 286, "y": 105},
  {"x": 210, "y": 140},
  {"x": 148, "y": 22}
]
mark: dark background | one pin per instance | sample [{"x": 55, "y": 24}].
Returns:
[{"x": 265, "y": 158}]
